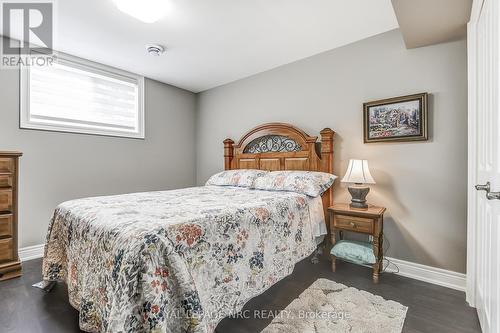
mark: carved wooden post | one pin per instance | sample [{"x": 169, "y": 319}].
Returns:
[
  {"x": 327, "y": 153},
  {"x": 327, "y": 166},
  {"x": 228, "y": 153},
  {"x": 327, "y": 148}
]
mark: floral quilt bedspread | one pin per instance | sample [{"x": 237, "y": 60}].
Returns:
[{"x": 174, "y": 261}]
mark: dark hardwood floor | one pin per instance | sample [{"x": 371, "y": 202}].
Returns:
[{"x": 431, "y": 308}]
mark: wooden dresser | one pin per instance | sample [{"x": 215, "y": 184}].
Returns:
[{"x": 10, "y": 266}]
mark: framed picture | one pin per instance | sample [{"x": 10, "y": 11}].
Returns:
[{"x": 396, "y": 119}]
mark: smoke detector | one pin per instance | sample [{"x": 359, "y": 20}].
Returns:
[{"x": 155, "y": 49}]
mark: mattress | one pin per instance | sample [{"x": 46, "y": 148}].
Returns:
[{"x": 176, "y": 261}]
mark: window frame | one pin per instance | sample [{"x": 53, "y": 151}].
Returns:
[{"x": 91, "y": 67}]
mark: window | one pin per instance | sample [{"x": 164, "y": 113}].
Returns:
[{"x": 82, "y": 97}]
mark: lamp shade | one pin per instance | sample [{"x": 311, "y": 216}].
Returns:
[{"x": 358, "y": 172}]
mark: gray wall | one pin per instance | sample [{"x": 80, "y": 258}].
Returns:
[
  {"x": 60, "y": 166},
  {"x": 423, "y": 185}
]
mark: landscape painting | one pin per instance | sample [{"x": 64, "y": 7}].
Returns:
[{"x": 396, "y": 119}]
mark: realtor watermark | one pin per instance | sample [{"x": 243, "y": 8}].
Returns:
[
  {"x": 297, "y": 314},
  {"x": 30, "y": 26},
  {"x": 265, "y": 314}
]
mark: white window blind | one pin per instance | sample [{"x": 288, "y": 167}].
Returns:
[{"x": 74, "y": 97}]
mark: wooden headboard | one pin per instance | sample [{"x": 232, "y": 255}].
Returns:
[{"x": 278, "y": 146}]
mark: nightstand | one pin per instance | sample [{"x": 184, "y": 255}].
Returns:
[{"x": 369, "y": 221}]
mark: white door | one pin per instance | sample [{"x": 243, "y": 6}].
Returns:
[{"x": 483, "y": 257}]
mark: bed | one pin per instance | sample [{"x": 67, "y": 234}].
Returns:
[{"x": 182, "y": 260}]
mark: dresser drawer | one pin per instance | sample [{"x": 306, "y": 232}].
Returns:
[
  {"x": 6, "y": 249},
  {"x": 5, "y": 200},
  {"x": 6, "y": 165},
  {"x": 6, "y": 226},
  {"x": 5, "y": 180},
  {"x": 357, "y": 224}
]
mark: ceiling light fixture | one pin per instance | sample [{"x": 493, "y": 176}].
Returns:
[
  {"x": 155, "y": 49},
  {"x": 148, "y": 11}
]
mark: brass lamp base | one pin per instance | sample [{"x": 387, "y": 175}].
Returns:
[{"x": 358, "y": 194}]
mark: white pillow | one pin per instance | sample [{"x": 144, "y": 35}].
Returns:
[
  {"x": 239, "y": 177},
  {"x": 310, "y": 183}
]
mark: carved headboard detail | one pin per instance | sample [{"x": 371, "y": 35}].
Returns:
[
  {"x": 272, "y": 144},
  {"x": 279, "y": 146}
]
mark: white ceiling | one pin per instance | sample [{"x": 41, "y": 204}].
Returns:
[
  {"x": 213, "y": 42},
  {"x": 428, "y": 22}
]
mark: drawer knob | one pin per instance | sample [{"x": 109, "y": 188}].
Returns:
[{"x": 353, "y": 225}]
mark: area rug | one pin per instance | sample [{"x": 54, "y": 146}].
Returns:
[{"x": 327, "y": 306}]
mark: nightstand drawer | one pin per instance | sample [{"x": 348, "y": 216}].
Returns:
[
  {"x": 6, "y": 249},
  {"x": 6, "y": 227},
  {"x": 353, "y": 223},
  {"x": 5, "y": 200}
]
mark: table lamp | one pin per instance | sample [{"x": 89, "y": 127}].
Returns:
[{"x": 358, "y": 174}]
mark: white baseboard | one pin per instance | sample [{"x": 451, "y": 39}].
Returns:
[
  {"x": 412, "y": 270},
  {"x": 441, "y": 277},
  {"x": 31, "y": 252}
]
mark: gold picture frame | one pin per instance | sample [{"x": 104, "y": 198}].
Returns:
[{"x": 397, "y": 119}]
